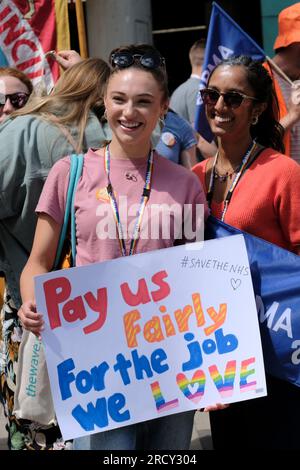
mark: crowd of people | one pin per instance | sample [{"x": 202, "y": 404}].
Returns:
[{"x": 120, "y": 116}]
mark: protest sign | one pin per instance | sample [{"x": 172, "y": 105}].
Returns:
[{"x": 144, "y": 336}]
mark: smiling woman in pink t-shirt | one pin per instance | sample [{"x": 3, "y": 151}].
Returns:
[{"x": 126, "y": 180}]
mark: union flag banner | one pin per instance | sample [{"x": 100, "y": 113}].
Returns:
[
  {"x": 28, "y": 30},
  {"x": 275, "y": 275}
]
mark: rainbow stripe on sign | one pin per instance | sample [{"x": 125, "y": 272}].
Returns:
[
  {"x": 160, "y": 403},
  {"x": 244, "y": 386},
  {"x": 224, "y": 387},
  {"x": 184, "y": 385}
]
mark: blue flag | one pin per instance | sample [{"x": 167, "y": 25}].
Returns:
[
  {"x": 276, "y": 281},
  {"x": 225, "y": 38}
]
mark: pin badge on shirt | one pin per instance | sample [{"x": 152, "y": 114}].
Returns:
[
  {"x": 130, "y": 176},
  {"x": 168, "y": 139},
  {"x": 101, "y": 195}
]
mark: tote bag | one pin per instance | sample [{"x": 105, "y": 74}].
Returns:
[{"x": 33, "y": 399}]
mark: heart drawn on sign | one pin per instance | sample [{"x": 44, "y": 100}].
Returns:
[
  {"x": 198, "y": 380},
  {"x": 235, "y": 283}
]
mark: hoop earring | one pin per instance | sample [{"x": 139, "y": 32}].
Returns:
[
  {"x": 161, "y": 123},
  {"x": 254, "y": 120},
  {"x": 105, "y": 114}
]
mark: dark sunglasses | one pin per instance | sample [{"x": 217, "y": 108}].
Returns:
[
  {"x": 149, "y": 60},
  {"x": 18, "y": 100},
  {"x": 232, "y": 99}
]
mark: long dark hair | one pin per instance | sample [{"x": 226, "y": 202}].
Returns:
[{"x": 268, "y": 131}]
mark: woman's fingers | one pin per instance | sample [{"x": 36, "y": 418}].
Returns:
[
  {"x": 67, "y": 58},
  {"x": 217, "y": 406},
  {"x": 30, "y": 319}
]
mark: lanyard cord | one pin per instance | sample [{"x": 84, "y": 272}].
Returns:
[
  {"x": 144, "y": 199},
  {"x": 246, "y": 160}
]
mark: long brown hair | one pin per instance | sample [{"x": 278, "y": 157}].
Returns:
[{"x": 78, "y": 91}]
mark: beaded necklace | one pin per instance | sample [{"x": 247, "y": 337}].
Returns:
[
  {"x": 113, "y": 202},
  {"x": 239, "y": 171},
  {"x": 224, "y": 178}
]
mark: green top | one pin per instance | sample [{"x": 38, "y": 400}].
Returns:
[{"x": 29, "y": 146}]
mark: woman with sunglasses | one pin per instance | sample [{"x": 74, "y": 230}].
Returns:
[
  {"x": 35, "y": 137},
  {"x": 15, "y": 89},
  {"x": 251, "y": 185},
  {"x": 136, "y": 97}
]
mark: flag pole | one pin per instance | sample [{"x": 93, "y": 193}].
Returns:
[
  {"x": 278, "y": 70},
  {"x": 81, "y": 29}
]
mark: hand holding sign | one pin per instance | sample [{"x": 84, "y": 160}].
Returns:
[{"x": 173, "y": 338}]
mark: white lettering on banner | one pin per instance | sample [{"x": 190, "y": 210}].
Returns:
[
  {"x": 296, "y": 354},
  {"x": 284, "y": 322},
  {"x": 19, "y": 41},
  {"x": 216, "y": 61},
  {"x": 269, "y": 314},
  {"x": 225, "y": 52}
]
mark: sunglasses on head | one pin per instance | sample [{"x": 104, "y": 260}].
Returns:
[
  {"x": 232, "y": 99},
  {"x": 18, "y": 100},
  {"x": 149, "y": 60}
]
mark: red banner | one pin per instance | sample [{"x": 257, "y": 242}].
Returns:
[{"x": 28, "y": 30}]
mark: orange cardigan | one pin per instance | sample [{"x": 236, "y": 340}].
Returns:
[{"x": 266, "y": 200}]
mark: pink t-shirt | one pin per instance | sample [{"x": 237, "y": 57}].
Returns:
[{"x": 176, "y": 196}]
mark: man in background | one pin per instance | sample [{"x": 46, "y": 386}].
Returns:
[
  {"x": 287, "y": 58},
  {"x": 183, "y": 99}
]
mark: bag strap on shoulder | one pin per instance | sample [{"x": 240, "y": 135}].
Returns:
[
  {"x": 79, "y": 159},
  {"x": 76, "y": 164}
]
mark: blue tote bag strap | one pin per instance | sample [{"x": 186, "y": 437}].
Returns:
[
  {"x": 76, "y": 163},
  {"x": 73, "y": 221}
]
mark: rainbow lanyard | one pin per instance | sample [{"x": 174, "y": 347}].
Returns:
[
  {"x": 242, "y": 167},
  {"x": 144, "y": 199}
]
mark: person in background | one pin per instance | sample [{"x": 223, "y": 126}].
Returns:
[
  {"x": 287, "y": 58},
  {"x": 66, "y": 59},
  {"x": 183, "y": 99},
  {"x": 15, "y": 89},
  {"x": 251, "y": 185},
  {"x": 31, "y": 141},
  {"x": 135, "y": 99},
  {"x": 177, "y": 140}
]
